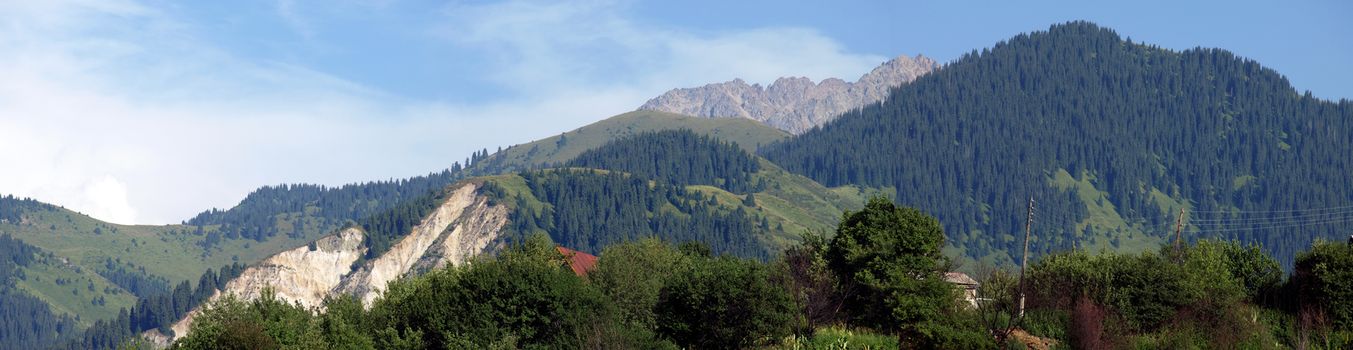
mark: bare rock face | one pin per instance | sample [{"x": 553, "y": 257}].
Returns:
[
  {"x": 462, "y": 227},
  {"x": 792, "y": 104}
]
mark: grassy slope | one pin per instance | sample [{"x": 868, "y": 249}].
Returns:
[
  {"x": 1105, "y": 224},
  {"x": 66, "y": 287},
  {"x": 746, "y": 133},
  {"x": 170, "y": 251}
]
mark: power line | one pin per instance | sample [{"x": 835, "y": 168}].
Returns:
[
  {"x": 1271, "y": 211},
  {"x": 1286, "y": 225},
  {"x": 1273, "y": 218}
]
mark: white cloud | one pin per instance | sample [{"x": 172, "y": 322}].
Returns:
[
  {"x": 563, "y": 45},
  {"x": 107, "y": 198},
  {"x": 124, "y": 112}
]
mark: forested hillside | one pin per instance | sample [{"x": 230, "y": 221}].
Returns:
[
  {"x": 678, "y": 157},
  {"x": 1110, "y": 137},
  {"x": 589, "y": 209},
  {"x": 25, "y": 321}
]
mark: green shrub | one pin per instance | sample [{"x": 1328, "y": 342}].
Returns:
[
  {"x": 724, "y": 303},
  {"x": 1324, "y": 280}
]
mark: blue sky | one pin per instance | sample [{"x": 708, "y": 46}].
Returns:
[{"x": 147, "y": 111}]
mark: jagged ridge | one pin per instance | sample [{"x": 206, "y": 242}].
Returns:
[{"x": 793, "y": 104}]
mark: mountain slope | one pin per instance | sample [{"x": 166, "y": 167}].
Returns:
[
  {"x": 675, "y": 185},
  {"x": 91, "y": 269},
  {"x": 463, "y": 224},
  {"x": 559, "y": 149},
  {"x": 792, "y": 104},
  {"x": 1112, "y": 138}
]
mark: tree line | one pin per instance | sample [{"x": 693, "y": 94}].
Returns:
[{"x": 309, "y": 209}]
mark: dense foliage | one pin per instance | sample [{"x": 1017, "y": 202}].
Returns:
[
  {"x": 524, "y": 298},
  {"x": 1147, "y": 126},
  {"x": 1323, "y": 281},
  {"x": 632, "y": 276},
  {"x": 875, "y": 283},
  {"x": 893, "y": 255},
  {"x": 1213, "y": 294},
  {"x": 679, "y": 157},
  {"x": 588, "y": 210},
  {"x": 724, "y": 303}
]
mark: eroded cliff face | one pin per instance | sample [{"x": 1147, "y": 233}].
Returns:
[
  {"x": 463, "y": 226},
  {"x": 792, "y": 104},
  {"x": 303, "y": 275}
]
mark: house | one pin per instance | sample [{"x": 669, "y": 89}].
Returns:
[
  {"x": 964, "y": 283},
  {"x": 580, "y": 262}
]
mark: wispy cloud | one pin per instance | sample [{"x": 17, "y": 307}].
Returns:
[{"x": 124, "y": 111}]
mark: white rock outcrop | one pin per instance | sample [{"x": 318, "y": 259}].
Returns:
[
  {"x": 461, "y": 227},
  {"x": 459, "y": 236}
]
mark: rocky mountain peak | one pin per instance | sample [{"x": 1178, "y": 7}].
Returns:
[{"x": 793, "y": 104}]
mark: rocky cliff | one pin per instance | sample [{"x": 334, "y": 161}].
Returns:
[
  {"x": 462, "y": 227},
  {"x": 792, "y": 104}
]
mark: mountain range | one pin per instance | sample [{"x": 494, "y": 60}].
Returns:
[
  {"x": 1099, "y": 140},
  {"x": 793, "y": 104}
]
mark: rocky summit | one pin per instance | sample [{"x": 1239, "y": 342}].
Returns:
[{"x": 793, "y": 104}]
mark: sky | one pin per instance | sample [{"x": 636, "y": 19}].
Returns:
[{"x": 148, "y": 112}]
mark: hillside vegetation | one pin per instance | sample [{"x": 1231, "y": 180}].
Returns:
[
  {"x": 556, "y": 150},
  {"x": 1110, "y": 137},
  {"x": 675, "y": 185},
  {"x": 878, "y": 282}
]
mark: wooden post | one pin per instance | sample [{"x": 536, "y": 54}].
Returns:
[
  {"x": 1028, "y": 226},
  {"x": 1178, "y": 230}
]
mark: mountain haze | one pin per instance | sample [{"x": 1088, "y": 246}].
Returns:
[{"x": 793, "y": 104}]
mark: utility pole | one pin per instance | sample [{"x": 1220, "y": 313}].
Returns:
[
  {"x": 1028, "y": 226},
  {"x": 1178, "y": 230}
]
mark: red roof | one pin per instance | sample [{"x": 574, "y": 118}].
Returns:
[{"x": 580, "y": 262}]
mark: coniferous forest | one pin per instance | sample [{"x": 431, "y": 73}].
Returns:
[
  {"x": 1149, "y": 127},
  {"x": 325, "y": 208},
  {"x": 589, "y": 210},
  {"x": 676, "y": 156}
]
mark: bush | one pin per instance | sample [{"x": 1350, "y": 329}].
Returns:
[
  {"x": 1323, "y": 278},
  {"x": 724, "y": 303},
  {"x": 632, "y": 275}
]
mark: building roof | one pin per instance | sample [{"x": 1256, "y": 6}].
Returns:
[
  {"x": 580, "y": 262},
  {"x": 959, "y": 278}
]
